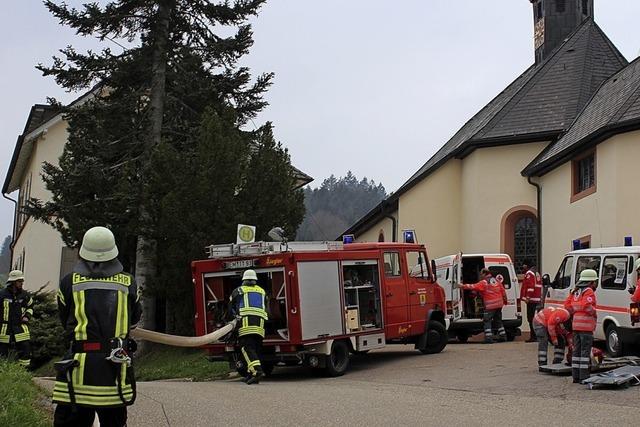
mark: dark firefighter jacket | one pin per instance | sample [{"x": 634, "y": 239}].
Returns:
[
  {"x": 12, "y": 310},
  {"x": 250, "y": 303},
  {"x": 97, "y": 302}
]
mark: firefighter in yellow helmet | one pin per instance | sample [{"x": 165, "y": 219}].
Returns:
[
  {"x": 98, "y": 305},
  {"x": 16, "y": 312},
  {"x": 249, "y": 302}
]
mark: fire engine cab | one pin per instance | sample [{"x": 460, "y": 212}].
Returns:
[{"x": 325, "y": 300}]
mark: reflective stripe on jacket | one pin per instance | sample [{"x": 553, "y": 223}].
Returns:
[
  {"x": 97, "y": 309},
  {"x": 581, "y": 303},
  {"x": 250, "y": 301},
  {"x": 13, "y": 308},
  {"x": 492, "y": 293}
]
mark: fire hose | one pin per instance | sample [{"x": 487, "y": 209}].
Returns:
[{"x": 182, "y": 341}]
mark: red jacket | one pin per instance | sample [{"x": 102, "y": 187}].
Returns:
[
  {"x": 636, "y": 295},
  {"x": 553, "y": 318},
  {"x": 492, "y": 292},
  {"x": 581, "y": 303},
  {"x": 531, "y": 290}
]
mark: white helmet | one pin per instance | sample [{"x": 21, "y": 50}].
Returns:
[
  {"x": 98, "y": 245},
  {"x": 250, "y": 275},
  {"x": 15, "y": 275}
]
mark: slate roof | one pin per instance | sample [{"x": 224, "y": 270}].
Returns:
[
  {"x": 613, "y": 109},
  {"x": 538, "y": 105}
]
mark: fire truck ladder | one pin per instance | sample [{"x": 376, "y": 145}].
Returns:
[{"x": 264, "y": 248}]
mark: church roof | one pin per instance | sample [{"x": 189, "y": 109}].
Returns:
[{"x": 615, "y": 108}]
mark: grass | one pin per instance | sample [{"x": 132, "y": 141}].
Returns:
[
  {"x": 19, "y": 398},
  {"x": 164, "y": 362}
]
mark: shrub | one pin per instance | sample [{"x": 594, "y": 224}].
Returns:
[{"x": 47, "y": 334}]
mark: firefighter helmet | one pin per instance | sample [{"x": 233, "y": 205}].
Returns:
[
  {"x": 250, "y": 275},
  {"x": 638, "y": 263},
  {"x": 98, "y": 245},
  {"x": 587, "y": 276},
  {"x": 15, "y": 275}
]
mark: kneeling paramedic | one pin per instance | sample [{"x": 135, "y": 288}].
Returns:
[
  {"x": 249, "y": 302},
  {"x": 16, "y": 312},
  {"x": 494, "y": 297},
  {"x": 553, "y": 324},
  {"x": 98, "y": 305},
  {"x": 581, "y": 303}
]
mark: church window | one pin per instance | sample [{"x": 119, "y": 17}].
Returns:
[{"x": 525, "y": 242}]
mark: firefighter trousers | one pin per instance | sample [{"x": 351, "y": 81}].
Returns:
[
  {"x": 23, "y": 349},
  {"x": 582, "y": 343},
  {"x": 251, "y": 347},
  {"x": 492, "y": 319},
  {"x": 532, "y": 309},
  {"x": 84, "y": 416},
  {"x": 543, "y": 346}
]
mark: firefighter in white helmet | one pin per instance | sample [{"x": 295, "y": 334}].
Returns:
[
  {"x": 249, "y": 303},
  {"x": 16, "y": 310},
  {"x": 98, "y": 304}
]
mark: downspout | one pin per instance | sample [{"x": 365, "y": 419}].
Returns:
[
  {"x": 394, "y": 222},
  {"x": 15, "y": 215},
  {"x": 539, "y": 220}
]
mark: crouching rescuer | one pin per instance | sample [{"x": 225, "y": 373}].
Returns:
[
  {"x": 494, "y": 297},
  {"x": 249, "y": 302},
  {"x": 553, "y": 324},
  {"x": 98, "y": 305}
]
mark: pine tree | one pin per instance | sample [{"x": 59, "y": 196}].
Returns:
[{"x": 150, "y": 96}]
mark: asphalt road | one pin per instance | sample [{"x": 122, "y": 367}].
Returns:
[{"x": 467, "y": 384}]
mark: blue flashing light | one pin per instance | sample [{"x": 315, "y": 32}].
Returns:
[
  {"x": 348, "y": 238},
  {"x": 628, "y": 241},
  {"x": 409, "y": 236},
  {"x": 577, "y": 244}
]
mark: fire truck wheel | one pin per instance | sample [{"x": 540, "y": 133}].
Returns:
[
  {"x": 436, "y": 338},
  {"x": 338, "y": 361},
  {"x": 613, "y": 342}
]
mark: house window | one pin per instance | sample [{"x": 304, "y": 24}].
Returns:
[
  {"x": 583, "y": 176},
  {"x": 23, "y": 198},
  {"x": 560, "y": 6},
  {"x": 525, "y": 242}
]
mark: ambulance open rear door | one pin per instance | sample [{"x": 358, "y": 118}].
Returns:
[{"x": 456, "y": 293}]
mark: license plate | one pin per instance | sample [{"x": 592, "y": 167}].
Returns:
[{"x": 245, "y": 263}]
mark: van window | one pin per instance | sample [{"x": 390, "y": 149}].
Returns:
[
  {"x": 504, "y": 271},
  {"x": 417, "y": 264},
  {"x": 563, "y": 277},
  {"x": 587, "y": 262},
  {"x": 614, "y": 272},
  {"x": 391, "y": 264}
]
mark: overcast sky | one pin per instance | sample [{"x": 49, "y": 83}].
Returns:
[{"x": 371, "y": 86}]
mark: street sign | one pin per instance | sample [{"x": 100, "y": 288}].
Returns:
[{"x": 246, "y": 234}]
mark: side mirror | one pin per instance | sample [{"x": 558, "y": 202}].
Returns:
[
  {"x": 546, "y": 281},
  {"x": 434, "y": 276}
]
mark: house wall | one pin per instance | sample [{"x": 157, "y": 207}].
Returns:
[
  {"x": 40, "y": 243},
  {"x": 385, "y": 225},
  {"x": 432, "y": 208},
  {"x": 608, "y": 215},
  {"x": 491, "y": 185}
]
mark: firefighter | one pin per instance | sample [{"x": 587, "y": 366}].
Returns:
[
  {"x": 98, "y": 304},
  {"x": 494, "y": 297},
  {"x": 531, "y": 294},
  {"x": 16, "y": 310},
  {"x": 249, "y": 303},
  {"x": 581, "y": 303},
  {"x": 554, "y": 325},
  {"x": 635, "y": 290}
]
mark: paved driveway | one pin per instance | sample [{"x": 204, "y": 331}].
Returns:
[{"x": 467, "y": 384}]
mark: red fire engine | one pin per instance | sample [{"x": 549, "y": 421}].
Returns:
[{"x": 326, "y": 300}]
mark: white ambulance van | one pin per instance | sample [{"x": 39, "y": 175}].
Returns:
[
  {"x": 465, "y": 308},
  {"x": 618, "y": 318}
]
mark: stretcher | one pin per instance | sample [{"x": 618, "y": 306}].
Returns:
[
  {"x": 625, "y": 376},
  {"x": 607, "y": 364}
]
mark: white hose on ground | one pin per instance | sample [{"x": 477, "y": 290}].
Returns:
[{"x": 180, "y": 341}]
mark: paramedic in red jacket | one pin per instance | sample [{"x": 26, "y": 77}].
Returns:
[
  {"x": 581, "y": 303},
  {"x": 531, "y": 293},
  {"x": 635, "y": 290},
  {"x": 553, "y": 325},
  {"x": 494, "y": 298}
]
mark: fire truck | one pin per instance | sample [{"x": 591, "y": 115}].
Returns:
[{"x": 326, "y": 300}]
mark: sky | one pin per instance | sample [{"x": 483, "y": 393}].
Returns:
[{"x": 371, "y": 86}]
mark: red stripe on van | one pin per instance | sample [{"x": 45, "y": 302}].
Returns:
[
  {"x": 496, "y": 259},
  {"x": 611, "y": 308}
]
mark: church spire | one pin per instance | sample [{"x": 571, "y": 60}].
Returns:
[{"x": 554, "y": 20}]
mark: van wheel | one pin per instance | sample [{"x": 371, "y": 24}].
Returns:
[
  {"x": 436, "y": 338},
  {"x": 463, "y": 337},
  {"x": 338, "y": 361},
  {"x": 614, "y": 345}
]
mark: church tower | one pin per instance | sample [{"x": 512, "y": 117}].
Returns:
[{"x": 554, "y": 20}]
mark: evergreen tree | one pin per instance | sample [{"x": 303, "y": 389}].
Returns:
[
  {"x": 5, "y": 257},
  {"x": 148, "y": 98}
]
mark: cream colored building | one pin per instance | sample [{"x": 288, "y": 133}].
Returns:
[{"x": 546, "y": 165}]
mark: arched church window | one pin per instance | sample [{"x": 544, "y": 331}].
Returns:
[{"x": 525, "y": 241}]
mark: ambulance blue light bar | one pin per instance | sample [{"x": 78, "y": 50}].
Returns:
[
  {"x": 409, "y": 236},
  {"x": 628, "y": 241},
  {"x": 576, "y": 244},
  {"x": 348, "y": 238}
]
